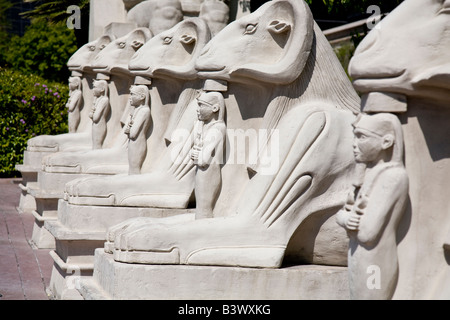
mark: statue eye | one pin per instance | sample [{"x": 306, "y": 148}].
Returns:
[
  {"x": 91, "y": 48},
  {"x": 250, "y": 28},
  {"x": 167, "y": 40},
  {"x": 121, "y": 45}
]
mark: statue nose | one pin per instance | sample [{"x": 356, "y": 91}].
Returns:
[{"x": 369, "y": 41}]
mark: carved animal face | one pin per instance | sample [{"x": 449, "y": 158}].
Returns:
[
  {"x": 114, "y": 57},
  {"x": 84, "y": 56},
  {"x": 172, "y": 52},
  {"x": 408, "y": 53},
  {"x": 272, "y": 44}
]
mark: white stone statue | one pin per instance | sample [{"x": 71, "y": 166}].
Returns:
[
  {"x": 115, "y": 57},
  {"x": 167, "y": 62},
  {"x": 216, "y": 14},
  {"x": 74, "y": 103},
  {"x": 281, "y": 78},
  {"x": 207, "y": 152},
  {"x": 137, "y": 127},
  {"x": 99, "y": 113},
  {"x": 156, "y": 15},
  {"x": 112, "y": 156},
  {"x": 399, "y": 68},
  {"x": 79, "y": 64},
  {"x": 375, "y": 207}
]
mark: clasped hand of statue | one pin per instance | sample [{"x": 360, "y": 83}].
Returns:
[
  {"x": 129, "y": 125},
  {"x": 195, "y": 152}
]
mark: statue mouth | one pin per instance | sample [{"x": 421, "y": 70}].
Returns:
[
  {"x": 138, "y": 69},
  {"x": 141, "y": 71},
  {"x": 212, "y": 72},
  {"x": 379, "y": 82},
  {"x": 74, "y": 66},
  {"x": 211, "y": 68},
  {"x": 98, "y": 67}
]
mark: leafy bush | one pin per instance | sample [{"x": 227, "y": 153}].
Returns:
[
  {"x": 30, "y": 106},
  {"x": 43, "y": 50}
]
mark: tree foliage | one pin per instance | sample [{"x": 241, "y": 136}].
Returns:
[
  {"x": 30, "y": 106},
  {"x": 56, "y": 12},
  {"x": 43, "y": 50}
]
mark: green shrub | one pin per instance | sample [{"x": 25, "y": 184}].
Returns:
[
  {"x": 43, "y": 50},
  {"x": 29, "y": 106}
]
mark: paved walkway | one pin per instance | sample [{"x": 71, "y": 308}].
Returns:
[{"x": 24, "y": 271}]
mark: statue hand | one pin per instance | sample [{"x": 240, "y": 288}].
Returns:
[{"x": 353, "y": 222}]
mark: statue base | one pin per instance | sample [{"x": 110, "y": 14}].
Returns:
[
  {"x": 78, "y": 231},
  {"x": 46, "y": 193},
  {"x": 116, "y": 280},
  {"x": 27, "y": 203}
]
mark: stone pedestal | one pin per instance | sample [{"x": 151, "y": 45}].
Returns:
[
  {"x": 46, "y": 193},
  {"x": 46, "y": 210},
  {"x": 32, "y": 164},
  {"x": 27, "y": 203},
  {"x": 78, "y": 231},
  {"x": 120, "y": 281}
]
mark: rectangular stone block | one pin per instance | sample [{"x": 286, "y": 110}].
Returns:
[{"x": 115, "y": 280}]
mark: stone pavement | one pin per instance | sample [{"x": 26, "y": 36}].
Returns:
[{"x": 24, "y": 270}]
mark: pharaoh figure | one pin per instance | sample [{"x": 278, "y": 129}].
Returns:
[
  {"x": 374, "y": 207},
  {"x": 99, "y": 113},
  {"x": 137, "y": 126},
  {"x": 207, "y": 151},
  {"x": 74, "y": 103},
  {"x": 399, "y": 67},
  {"x": 216, "y": 14}
]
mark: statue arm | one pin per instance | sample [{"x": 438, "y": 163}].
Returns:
[
  {"x": 214, "y": 141},
  {"x": 385, "y": 199},
  {"x": 100, "y": 109},
  {"x": 139, "y": 123},
  {"x": 74, "y": 101}
]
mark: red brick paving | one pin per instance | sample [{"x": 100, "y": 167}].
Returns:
[{"x": 24, "y": 271}]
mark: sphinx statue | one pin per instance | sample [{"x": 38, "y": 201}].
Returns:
[
  {"x": 79, "y": 64},
  {"x": 167, "y": 62},
  {"x": 398, "y": 68},
  {"x": 78, "y": 138},
  {"x": 81, "y": 139},
  {"x": 375, "y": 206},
  {"x": 296, "y": 95},
  {"x": 109, "y": 152}
]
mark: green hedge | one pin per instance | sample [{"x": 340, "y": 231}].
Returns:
[
  {"x": 29, "y": 106},
  {"x": 43, "y": 50}
]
